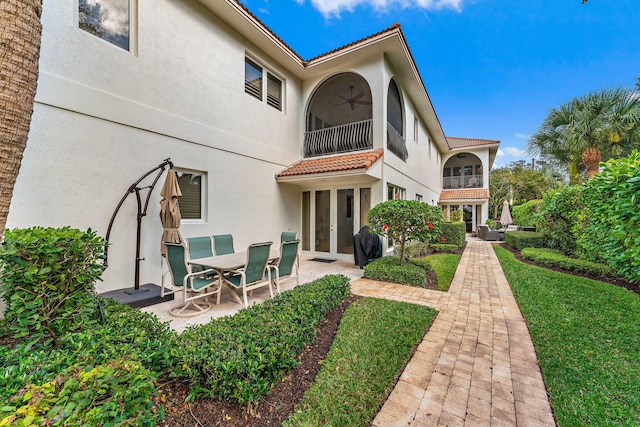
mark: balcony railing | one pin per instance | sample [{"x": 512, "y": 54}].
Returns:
[
  {"x": 468, "y": 181},
  {"x": 338, "y": 139},
  {"x": 395, "y": 143}
]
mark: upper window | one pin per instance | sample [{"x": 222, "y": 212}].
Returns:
[
  {"x": 394, "y": 192},
  {"x": 108, "y": 19},
  {"x": 255, "y": 80},
  {"x": 193, "y": 187}
]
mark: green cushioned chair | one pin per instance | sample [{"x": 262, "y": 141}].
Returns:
[
  {"x": 288, "y": 236},
  {"x": 223, "y": 244},
  {"x": 255, "y": 273},
  {"x": 199, "y": 247},
  {"x": 196, "y": 286},
  {"x": 284, "y": 267}
]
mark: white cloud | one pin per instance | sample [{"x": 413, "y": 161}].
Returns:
[
  {"x": 500, "y": 153},
  {"x": 114, "y": 15},
  {"x": 515, "y": 152},
  {"x": 522, "y": 136},
  {"x": 335, "y": 7}
]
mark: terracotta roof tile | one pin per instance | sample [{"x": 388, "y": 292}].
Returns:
[
  {"x": 338, "y": 49},
  {"x": 469, "y": 142},
  {"x": 474, "y": 194},
  {"x": 360, "y": 160}
]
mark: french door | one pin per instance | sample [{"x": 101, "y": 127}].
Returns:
[{"x": 331, "y": 216}]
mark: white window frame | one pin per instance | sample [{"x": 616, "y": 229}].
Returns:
[
  {"x": 267, "y": 74},
  {"x": 419, "y": 197},
  {"x": 399, "y": 193},
  {"x": 133, "y": 27},
  {"x": 203, "y": 195}
]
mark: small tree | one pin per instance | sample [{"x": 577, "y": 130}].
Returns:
[{"x": 405, "y": 220}]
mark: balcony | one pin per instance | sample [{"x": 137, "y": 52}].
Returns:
[
  {"x": 395, "y": 143},
  {"x": 468, "y": 181},
  {"x": 338, "y": 139}
]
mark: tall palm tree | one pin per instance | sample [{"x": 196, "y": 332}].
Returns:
[
  {"x": 20, "y": 34},
  {"x": 589, "y": 129}
]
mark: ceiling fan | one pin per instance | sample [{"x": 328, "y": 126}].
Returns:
[{"x": 353, "y": 100}]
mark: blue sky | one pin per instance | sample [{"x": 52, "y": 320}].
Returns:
[{"x": 493, "y": 68}]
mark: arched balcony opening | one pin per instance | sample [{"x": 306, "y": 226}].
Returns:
[
  {"x": 463, "y": 170},
  {"x": 339, "y": 116},
  {"x": 395, "y": 122}
]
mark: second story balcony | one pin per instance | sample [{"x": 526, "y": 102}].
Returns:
[
  {"x": 467, "y": 181},
  {"x": 338, "y": 139}
]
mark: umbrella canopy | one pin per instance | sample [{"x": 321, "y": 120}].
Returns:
[
  {"x": 170, "y": 211},
  {"x": 505, "y": 217}
]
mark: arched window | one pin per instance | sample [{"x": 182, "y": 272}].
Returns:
[{"x": 395, "y": 122}]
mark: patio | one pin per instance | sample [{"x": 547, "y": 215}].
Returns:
[{"x": 309, "y": 271}]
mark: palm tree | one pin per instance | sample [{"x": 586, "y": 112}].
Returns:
[
  {"x": 589, "y": 129},
  {"x": 20, "y": 34}
]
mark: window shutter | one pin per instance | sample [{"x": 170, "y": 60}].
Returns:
[
  {"x": 252, "y": 79},
  {"x": 274, "y": 92},
  {"x": 191, "y": 201}
]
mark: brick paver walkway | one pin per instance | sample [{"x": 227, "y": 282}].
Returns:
[{"x": 476, "y": 366}]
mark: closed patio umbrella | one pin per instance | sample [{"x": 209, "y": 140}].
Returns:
[
  {"x": 170, "y": 211},
  {"x": 505, "y": 217}
]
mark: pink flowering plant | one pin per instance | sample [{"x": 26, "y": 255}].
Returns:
[{"x": 406, "y": 220}]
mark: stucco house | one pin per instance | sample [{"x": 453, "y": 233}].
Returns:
[{"x": 263, "y": 140}]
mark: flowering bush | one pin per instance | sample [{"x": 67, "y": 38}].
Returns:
[{"x": 405, "y": 220}]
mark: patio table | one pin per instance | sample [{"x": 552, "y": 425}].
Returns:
[{"x": 229, "y": 262}]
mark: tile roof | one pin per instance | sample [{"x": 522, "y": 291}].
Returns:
[
  {"x": 469, "y": 142},
  {"x": 352, "y": 161},
  {"x": 372, "y": 36},
  {"x": 473, "y": 194}
]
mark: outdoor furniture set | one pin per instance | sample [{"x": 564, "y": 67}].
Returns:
[{"x": 204, "y": 265}]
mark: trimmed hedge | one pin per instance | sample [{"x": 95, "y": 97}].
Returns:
[
  {"x": 444, "y": 248},
  {"x": 525, "y": 239},
  {"x": 414, "y": 249},
  {"x": 454, "y": 233},
  {"x": 243, "y": 356},
  {"x": 388, "y": 269},
  {"x": 555, "y": 258},
  {"x": 526, "y": 214}
]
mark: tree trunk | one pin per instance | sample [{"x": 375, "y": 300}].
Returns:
[
  {"x": 20, "y": 34},
  {"x": 591, "y": 157}
]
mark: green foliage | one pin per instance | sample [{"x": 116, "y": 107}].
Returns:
[
  {"x": 406, "y": 220},
  {"x": 555, "y": 258},
  {"x": 612, "y": 201},
  {"x": 47, "y": 278},
  {"x": 444, "y": 248},
  {"x": 561, "y": 218},
  {"x": 117, "y": 393},
  {"x": 518, "y": 183},
  {"x": 242, "y": 356},
  {"x": 389, "y": 269},
  {"x": 456, "y": 216},
  {"x": 413, "y": 249},
  {"x": 375, "y": 340},
  {"x": 494, "y": 225},
  {"x": 525, "y": 239},
  {"x": 454, "y": 233},
  {"x": 526, "y": 214},
  {"x": 585, "y": 335}
]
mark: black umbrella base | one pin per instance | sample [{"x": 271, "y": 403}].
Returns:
[{"x": 148, "y": 294}]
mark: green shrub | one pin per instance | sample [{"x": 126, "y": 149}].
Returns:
[
  {"x": 405, "y": 220},
  {"x": 117, "y": 393},
  {"x": 413, "y": 249},
  {"x": 243, "y": 356},
  {"x": 525, "y": 239},
  {"x": 47, "y": 280},
  {"x": 423, "y": 263},
  {"x": 389, "y": 269},
  {"x": 526, "y": 214},
  {"x": 456, "y": 216},
  {"x": 555, "y": 258},
  {"x": 494, "y": 225},
  {"x": 444, "y": 248},
  {"x": 612, "y": 201},
  {"x": 454, "y": 233},
  {"x": 561, "y": 218}
]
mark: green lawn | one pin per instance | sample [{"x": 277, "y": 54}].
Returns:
[
  {"x": 445, "y": 266},
  {"x": 374, "y": 342},
  {"x": 586, "y": 335}
]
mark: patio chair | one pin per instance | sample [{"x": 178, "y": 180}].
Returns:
[
  {"x": 223, "y": 244},
  {"x": 255, "y": 273},
  {"x": 284, "y": 266},
  {"x": 199, "y": 247},
  {"x": 485, "y": 233},
  {"x": 196, "y": 286},
  {"x": 288, "y": 236}
]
